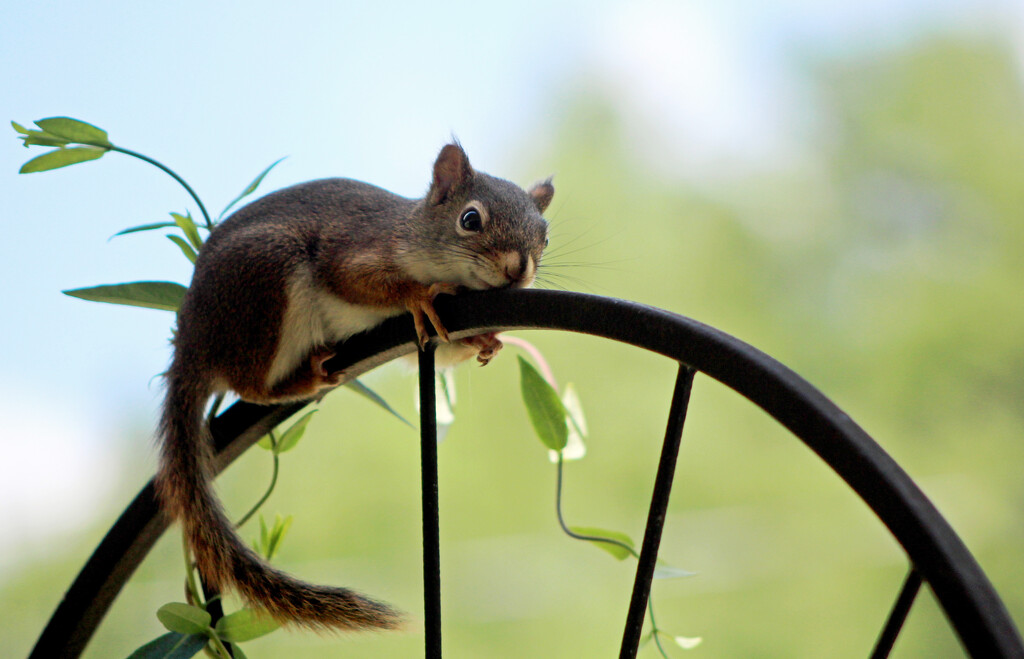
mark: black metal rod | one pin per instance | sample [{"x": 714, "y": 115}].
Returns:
[
  {"x": 898, "y": 615},
  {"x": 431, "y": 518},
  {"x": 656, "y": 515}
]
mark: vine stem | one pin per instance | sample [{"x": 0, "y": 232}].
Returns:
[
  {"x": 655, "y": 630},
  {"x": 270, "y": 488},
  {"x": 159, "y": 165},
  {"x": 190, "y": 576},
  {"x": 579, "y": 536},
  {"x": 170, "y": 172}
]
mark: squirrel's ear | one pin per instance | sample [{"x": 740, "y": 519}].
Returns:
[
  {"x": 542, "y": 193},
  {"x": 452, "y": 172}
]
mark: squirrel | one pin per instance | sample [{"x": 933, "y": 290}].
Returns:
[{"x": 277, "y": 286}]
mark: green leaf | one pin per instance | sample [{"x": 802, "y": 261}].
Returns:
[
  {"x": 37, "y": 138},
  {"x": 265, "y": 442},
  {"x": 145, "y": 227},
  {"x": 665, "y": 571},
  {"x": 164, "y": 295},
  {"x": 245, "y": 625},
  {"x": 576, "y": 424},
  {"x": 444, "y": 400},
  {"x": 186, "y": 249},
  {"x": 574, "y": 410},
  {"x": 171, "y": 645},
  {"x": 250, "y": 188},
  {"x": 277, "y": 534},
  {"x": 184, "y": 619},
  {"x": 74, "y": 130},
  {"x": 610, "y": 541},
  {"x": 544, "y": 407},
  {"x": 363, "y": 390},
  {"x": 61, "y": 158},
  {"x": 294, "y": 433},
  {"x": 188, "y": 226},
  {"x": 264, "y": 535}
]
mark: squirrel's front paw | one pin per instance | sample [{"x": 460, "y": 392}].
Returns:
[{"x": 423, "y": 307}]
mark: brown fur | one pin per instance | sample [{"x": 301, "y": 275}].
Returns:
[{"x": 340, "y": 255}]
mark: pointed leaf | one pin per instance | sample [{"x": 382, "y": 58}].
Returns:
[
  {"x": 184, "y": 618},
  {"x": 145, "y": 227},
  {"x": 171, "y": 645},
  {"x": 74, "y": 130},
  {"x": 245, "y": 625},
  {"x": 547, "y": 414},
  {"x": 294, "y": 433},
  {"x": 664, "y": 571},
  {"x": 264, "y": 535},
  {"x": 185, "y": 248},
  {"x": 39, "y": 138},
  {"x": 617, "y": 544},
  {"x": 444, "y": 401},
  {"x": 61, "y": 158},
  {"x": 266, "y": 443},
  {"x": 571, "y": 401},
  {"x": 188, "y": 226},
  {"x": 361, "y": 389},
  {"x": 165, "y": 295},
  {"x": 18, "y": 127},
  {"x": 277, "y": 534},
  {"x": 576, "y": 426},
  {"x": 250, "y": 188}
]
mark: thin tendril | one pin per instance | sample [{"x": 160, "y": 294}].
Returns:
[
  {"x": 270, "y": 488},
  {"x": 167, "y": 170}
]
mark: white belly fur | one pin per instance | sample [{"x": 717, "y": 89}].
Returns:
[{"x": 316, "y": 317}]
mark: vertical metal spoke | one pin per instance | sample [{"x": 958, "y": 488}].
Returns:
[
  {"x": 656, "y": 515},
  {"x": 431, "y": 523},
  {"x": 898, "y": 615}
]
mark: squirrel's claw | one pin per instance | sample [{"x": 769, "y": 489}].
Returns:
[{"x": 425, "y": 307}]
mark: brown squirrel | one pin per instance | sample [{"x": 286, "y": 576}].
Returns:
[{"x": 277, "y": 286}]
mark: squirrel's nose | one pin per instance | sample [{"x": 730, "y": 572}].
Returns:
[
  {"x": 519, "y": 269},
  {"x": 515, "y": 265}
]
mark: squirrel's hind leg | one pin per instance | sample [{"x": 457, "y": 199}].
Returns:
[{"x": 309, "y": 379}]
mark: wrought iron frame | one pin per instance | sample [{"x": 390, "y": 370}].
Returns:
[{"x": 936, "y": 554}]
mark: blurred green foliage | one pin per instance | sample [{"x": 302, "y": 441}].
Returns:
[{"x": 886, "y": 267}]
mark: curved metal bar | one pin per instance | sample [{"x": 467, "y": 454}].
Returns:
[
  {"x": 132, "y": 536},
  {"x": 965, "y": 593}
]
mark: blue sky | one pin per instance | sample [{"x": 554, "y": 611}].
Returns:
[{"x": 368, "y": 90}]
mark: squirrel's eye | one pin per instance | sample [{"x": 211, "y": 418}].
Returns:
[{"x": 471, "y": 221}]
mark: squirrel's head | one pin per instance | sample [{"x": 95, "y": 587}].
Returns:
[{"x": 480, "y": 231}]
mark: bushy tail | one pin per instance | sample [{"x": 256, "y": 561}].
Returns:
[{"x": 184, "y": 486}]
